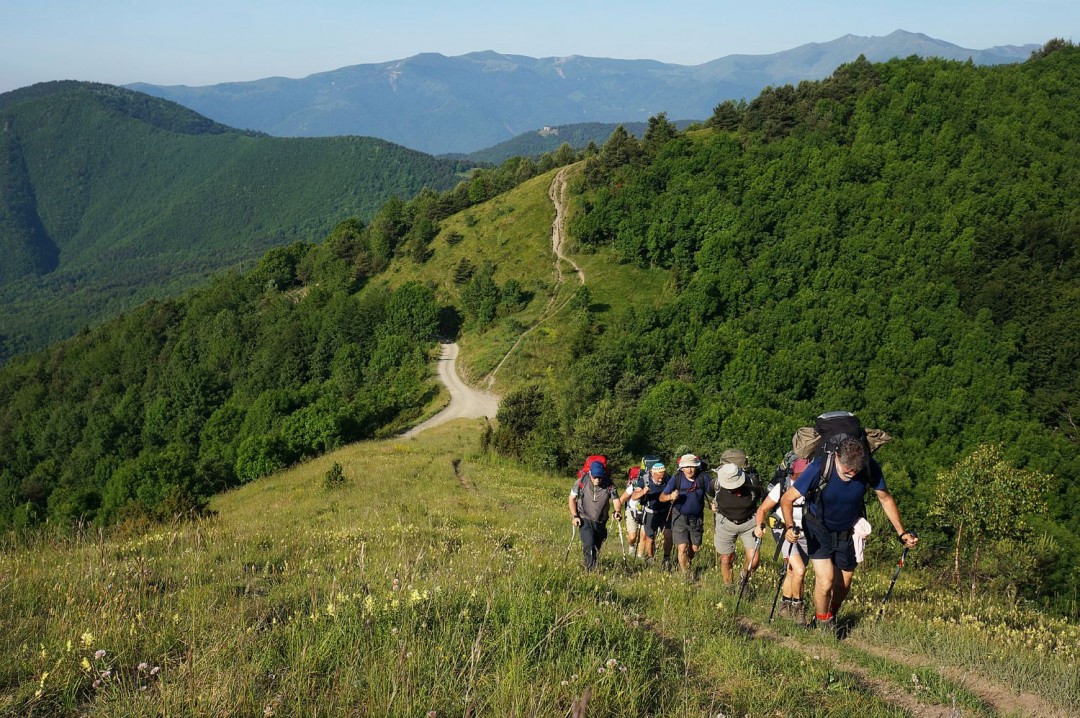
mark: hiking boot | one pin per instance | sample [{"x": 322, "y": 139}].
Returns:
[
  {"x": 785, "y": 609},
  {"x": 797, "y": 613},
  {"x": 827, "y": 627}
]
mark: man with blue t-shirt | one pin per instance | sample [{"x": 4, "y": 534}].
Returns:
[
  {"x": 830, "y": 517},
  {"x": 686, "y": 491}
]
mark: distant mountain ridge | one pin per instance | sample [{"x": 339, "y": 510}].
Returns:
[{"x": 461, "y": 104}]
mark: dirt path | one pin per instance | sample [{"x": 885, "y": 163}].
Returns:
[
  {"x": 998, "y": 698},
  {"x": 557, "y": 193},
  {"x": 883, "y": 689},
  {"x": 1002, "y": 699},
  {"x": 465, "y": 401}
]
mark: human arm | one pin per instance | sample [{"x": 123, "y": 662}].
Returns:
[
  {"x": 759, "y": 517},
  {"x": 670, "y": 493},
  {"x": 574, "y": 518},
  {"x": 787, "y": 507},
  {"x": 888, "y": 503}
]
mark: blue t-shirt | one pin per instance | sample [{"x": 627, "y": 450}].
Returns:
[
  {"x": 842, "y": 500},
  {"x": 651, "y": 500},
  {"x": 691, "y": 500}
]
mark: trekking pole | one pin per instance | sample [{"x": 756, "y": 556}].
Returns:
[
  {"x": 573, "y": 533},
  {"x": 896, "y": 573},
  {"x": 783, "y": 575},
  {"x": 622, "y": 546},
  {"x": 746, "y": 572}
]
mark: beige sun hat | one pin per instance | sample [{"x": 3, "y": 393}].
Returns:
[
  {"x": 730, "y": 477},
  {"x": 689, "y": 460}
]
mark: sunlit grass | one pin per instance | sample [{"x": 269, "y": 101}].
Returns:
[{"x": 415, "y": 589}]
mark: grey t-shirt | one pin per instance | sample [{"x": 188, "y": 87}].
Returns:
[{"x": 593, "y": 501}]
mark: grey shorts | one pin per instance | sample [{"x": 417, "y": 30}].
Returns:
[
  {"x": 687, "y": 530},
  {"x": 727, "y": 531}
]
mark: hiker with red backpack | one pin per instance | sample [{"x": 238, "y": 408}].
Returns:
[
  {"x": 835, "y": 484},
  {"x": 656, "y": 518},
  {"x": 590, "y": 500},
  {"x": 685, "y": 491},
  {"x": 636, "y": 478},
  {"x": 795, "y": 555}
]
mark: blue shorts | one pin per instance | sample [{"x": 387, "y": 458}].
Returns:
[
  {"x": 656, "y": 521},
  {"x": 821, "y": 543}
]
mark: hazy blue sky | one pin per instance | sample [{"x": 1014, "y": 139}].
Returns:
[{"x": 201, "y": 42}]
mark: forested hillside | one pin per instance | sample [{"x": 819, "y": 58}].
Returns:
[
  {"x": 901, "y": 240},
  {"x": 151, "y": 413},
  {"x": 109, "y": 197}
]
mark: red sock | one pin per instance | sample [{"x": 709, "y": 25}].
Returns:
[{"x": 823, "y": 617}]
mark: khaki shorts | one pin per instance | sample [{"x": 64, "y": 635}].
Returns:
[{"x": 727, "y": 531}]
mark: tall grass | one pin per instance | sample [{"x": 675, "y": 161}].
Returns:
[{"x": 413, "y": 589}]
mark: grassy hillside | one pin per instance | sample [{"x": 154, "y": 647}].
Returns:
[
  {"x": 434, "y": 583},
  {"x": 109, "y": 197}
]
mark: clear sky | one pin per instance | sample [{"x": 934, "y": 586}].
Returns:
[{"x": 204, "y": 42}]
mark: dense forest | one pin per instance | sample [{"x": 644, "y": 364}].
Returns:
[
  {"x": 109, "y": 197},
  {"x": 901, "y": 240},
  {"x": 146, "y": 416}
]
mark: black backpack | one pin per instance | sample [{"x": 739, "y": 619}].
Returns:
[{"x": 833, "y": 427}]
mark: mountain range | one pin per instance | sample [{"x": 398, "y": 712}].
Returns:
[{"x": 441, "y": 104}]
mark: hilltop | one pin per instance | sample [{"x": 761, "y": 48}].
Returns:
[{"x": 109, "y": 197}]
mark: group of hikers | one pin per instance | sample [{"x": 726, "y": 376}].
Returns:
[{"x": 814, "y": 507}]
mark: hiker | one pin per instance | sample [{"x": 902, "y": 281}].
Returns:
[
  {"x": 829, "y": 519},
  {"x": 635, "y": 516},
  {"x": 734, "y": 498},
  {"x": 685, "y": 491},
  {"x": 656, "y": 516},
  {"x": 590, "y": 497},
  {"x": 795, "y": 554}
]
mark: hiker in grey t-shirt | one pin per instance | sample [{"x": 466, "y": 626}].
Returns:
[{"x": 590, "y": 498}]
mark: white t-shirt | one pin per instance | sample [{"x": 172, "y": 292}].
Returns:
[{"x": 774, "y": 494}]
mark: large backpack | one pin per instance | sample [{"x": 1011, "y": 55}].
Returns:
[
  {"x": 584, "y": 471},
  {"x": 822, "y": 441}
]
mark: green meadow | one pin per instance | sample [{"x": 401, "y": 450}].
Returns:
[{"x": 438, "y": 580}]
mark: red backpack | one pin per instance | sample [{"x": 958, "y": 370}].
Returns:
[{"x": 588, "y": 462}]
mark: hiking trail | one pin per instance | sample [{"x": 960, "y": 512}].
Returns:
[
  {"x": 465, "y": 401},
  {"x": 995, "y": 696},
  {"x": 557, "y": 193}
]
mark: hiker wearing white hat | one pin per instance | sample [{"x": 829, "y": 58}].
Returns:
[{"x": 686, "y": 493}]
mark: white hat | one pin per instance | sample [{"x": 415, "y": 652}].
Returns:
[
  {"x": 729, "y": 476},
  {"x": 689, "y": 460}
]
